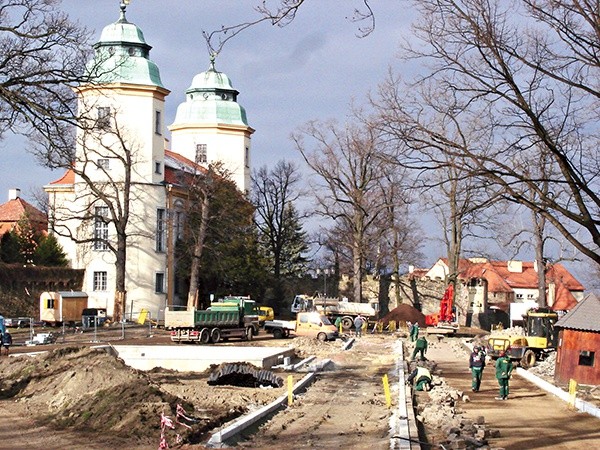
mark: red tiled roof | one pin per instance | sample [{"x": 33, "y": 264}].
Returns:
[
  {"x": 14, "y": 210},
  {"x": 501, "y": 280},
  {"x": 67, "y": 178},
  {"x": 563, "y": 298}
]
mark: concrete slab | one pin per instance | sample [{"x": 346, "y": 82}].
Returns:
[{"x": 197, "y": 358}]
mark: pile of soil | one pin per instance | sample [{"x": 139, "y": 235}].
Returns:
[
  {"x": 91, "y": 391},
  {"x": 405, "y": 313}
]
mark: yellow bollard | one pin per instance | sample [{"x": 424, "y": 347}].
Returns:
[
  {"x": 572, "y": 393},
  {"x": 386, "y": 390},
  {"x": 392, "y": 326},
  {"x": 290, "y": 390}
]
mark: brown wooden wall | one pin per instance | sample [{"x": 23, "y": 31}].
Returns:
[{"x": 570, "y": 344}]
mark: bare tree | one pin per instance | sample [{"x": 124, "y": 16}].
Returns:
[
  {"x": 42, "y": 61},
  {"x": 105, "y": 188},
  {"x": 348, "y": 166},
  {"x": 274, "y": 194},
  {"x": 281, "y": 13},
  {"x": 522, "y": 77}
]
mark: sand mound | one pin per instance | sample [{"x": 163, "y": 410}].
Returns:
[{"x": 405, "y": 313}]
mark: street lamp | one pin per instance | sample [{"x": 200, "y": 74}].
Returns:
[{"x": 325, "y": 273}]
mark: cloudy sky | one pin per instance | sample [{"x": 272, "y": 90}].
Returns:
[{"x": 311, "y": 69}]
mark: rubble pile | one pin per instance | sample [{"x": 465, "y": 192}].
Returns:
[
  {"x": 307, "y": 346},
  {"x": 545, "y": 369},
  {"x": 512, "y": 331},
  {"x": 405, "y": 313},
  {"x": 441, "y": 411}
]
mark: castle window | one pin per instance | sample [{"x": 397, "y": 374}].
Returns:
[
  {"x": 201, "y": 153},
  {"x": 247, "y": 157},
  {"x": 161, "y": 230},
  {"x": 100, "y": 281},
  {"x": 103, "y": 121},
  {"x": 103, "y": 163},
  {"x": 159, "y": 282},
  {"x": 101, "y": 228},
  {"x": 157, "y": 167},
  {"x": 157, "y": 123}
]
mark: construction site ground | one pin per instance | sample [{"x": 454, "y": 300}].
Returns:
[{"x": 79, "y": 398}]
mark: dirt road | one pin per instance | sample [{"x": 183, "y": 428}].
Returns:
[
  {"x": 345, "y": 408},
  {"x": 530, "y": 419}
]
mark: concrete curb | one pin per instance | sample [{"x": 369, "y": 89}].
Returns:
[
  {"x": 217, "y": 439},
  {"x": 348, "y": 344},
  {"x": 402, "y": 421},
  {"x": 581, "y": 405}
]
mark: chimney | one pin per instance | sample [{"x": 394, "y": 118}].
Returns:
[{"x": 14, "y": 194}]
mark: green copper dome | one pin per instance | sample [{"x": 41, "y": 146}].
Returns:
[
  {"x": 122, "y": 56},
  {"x": 211, "y": 99}
]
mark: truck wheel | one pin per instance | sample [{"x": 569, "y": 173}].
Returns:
[
  {"x": 322, "y": 337},
  {"x": 347, "y": 323},
  {"x": 249, "y": 333},
  {"x": 204, "y": 336},
  {"x": 215, "y": 335},
  {"x": 277, "y": 333},
  {"x": 528, "y": 359}
]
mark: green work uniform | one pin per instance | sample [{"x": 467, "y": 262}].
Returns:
[
  {"x": 420, "y": 347},
  {"x": 504, "y": 368}
]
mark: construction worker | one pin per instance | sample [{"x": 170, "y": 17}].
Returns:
[
  {"x": 476, "y": 364},
  {"x": 7, "y": 341},
  {"x": 338, "y": 323},
  {"x": 358, "y": 325},
  {"x": 414, "y": 332},
  {"x": 422, "y": 378},
  {"x": 504, "y": 368},
  {"x": 420, "y": 347}
]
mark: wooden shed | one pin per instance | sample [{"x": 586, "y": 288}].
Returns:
[
  {"x": 62, "y": 306},
  {"x": 578, "y": 353}
]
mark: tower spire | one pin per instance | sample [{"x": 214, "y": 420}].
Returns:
[{"x": 123, "y": 6}]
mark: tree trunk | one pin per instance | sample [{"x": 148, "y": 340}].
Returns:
[
  {"x": 120, "y": 292},
  {"x": 193, "y": 297},
  {"x": 539, "y": 223}
]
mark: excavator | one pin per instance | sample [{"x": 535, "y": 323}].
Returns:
[
  {"x": 446, "y": 316},
  {"x": 538, "y": 340}
]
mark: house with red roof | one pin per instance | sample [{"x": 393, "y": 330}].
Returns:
[
  {"x": 508, "y": 286},
  {"x": 16, "y": 209}
]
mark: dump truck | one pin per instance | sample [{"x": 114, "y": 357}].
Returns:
[
  {"x": 311, "y": 324},
  {"x": 538, "y": 340},
  {"x": 221, "y": 322},
  {"x": 334, "y": 307},
  {"x": 61, "y": 307}
]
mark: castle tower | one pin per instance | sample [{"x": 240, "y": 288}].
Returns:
[
  {"x": 119, "y": 143},
  {"x": 210, "y": 126}
]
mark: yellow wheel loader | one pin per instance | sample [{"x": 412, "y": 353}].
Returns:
[{"x": 539, "y": 338}]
